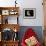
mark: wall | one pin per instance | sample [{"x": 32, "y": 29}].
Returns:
[
  {"x": 39, "y": 13},
  {"x": 27, "y": 4}
]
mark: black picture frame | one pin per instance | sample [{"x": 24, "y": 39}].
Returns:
[{"x": 29, "y": 13}]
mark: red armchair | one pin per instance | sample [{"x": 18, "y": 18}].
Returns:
[{"x": 29, "y": 36}]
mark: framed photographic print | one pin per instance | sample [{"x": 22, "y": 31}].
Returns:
[
  {"x": 29, "y": 13},
  {"x": 5, "y": 12}
]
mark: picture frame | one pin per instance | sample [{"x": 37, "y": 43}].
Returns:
[
  {"x": 5, "y": 12},
  {"x": 29, "y": 13}
]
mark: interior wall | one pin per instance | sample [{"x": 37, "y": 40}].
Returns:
[{"x": 38, "y": 21}]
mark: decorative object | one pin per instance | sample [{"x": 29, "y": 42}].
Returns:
[
  {"x": 29, "y": 13},
  {"x": 5, "y": 12},
  {"x": 15, "y": 37},
  {"x": 7, "y": 34},
  {"x": 13, "y": 12},
  {"x": 30, "y": 38},
  {"x": 15, "y": 30},
  {"x": 31, "y": 41},
  {"x": 15, "y": 3}
]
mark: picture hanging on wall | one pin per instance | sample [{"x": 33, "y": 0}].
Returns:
[{"x": 29, "y": 13}]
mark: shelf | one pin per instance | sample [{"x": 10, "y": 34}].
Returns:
[
  {"x": 9, "y": 10},
  {"x": 4, "y": 8},
  {"x": 6, "y": 12},
  {"x": 7, "y": 16},
  {"x": 10, "y": 41},
  {"x": 10, "y": 26}
]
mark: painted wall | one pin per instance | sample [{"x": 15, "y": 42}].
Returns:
[{"x": 27, "y": 4}]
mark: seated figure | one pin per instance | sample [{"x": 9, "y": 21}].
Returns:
[{"x": 30, "y": 39}]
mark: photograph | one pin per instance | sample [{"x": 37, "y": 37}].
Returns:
[{"x": 29, "y": 13}]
